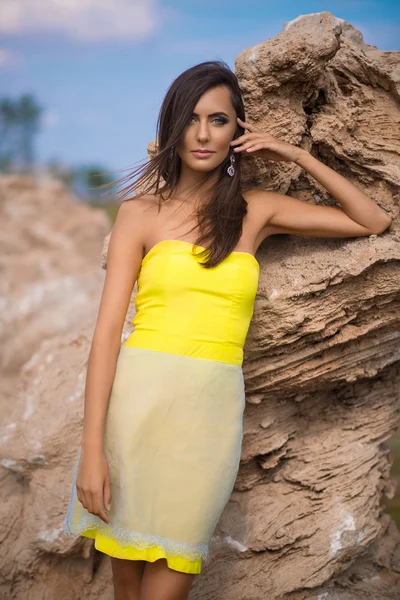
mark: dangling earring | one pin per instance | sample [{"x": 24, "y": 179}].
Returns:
[
  {"x": 231, "y": 168},
  {"x": 171, "y": 153}
]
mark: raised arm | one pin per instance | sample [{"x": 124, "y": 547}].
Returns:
[{"x": 357, "y": 215}]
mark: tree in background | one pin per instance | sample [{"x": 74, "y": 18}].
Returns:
[
  {"x": 86, "y": 180},
  {"x": 29, "y": 114},
  {"x": 19, "y": 124},
  {"x": 83, "y": 180},
  {"x": 7, "y": 133}
]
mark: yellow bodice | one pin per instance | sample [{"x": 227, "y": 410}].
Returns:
[{"x": 183, "y": 308}]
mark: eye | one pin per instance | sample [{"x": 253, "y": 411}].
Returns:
[{"x": 223, "y": 121}]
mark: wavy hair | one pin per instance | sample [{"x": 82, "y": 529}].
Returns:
[{"x": 220, "y": 217}]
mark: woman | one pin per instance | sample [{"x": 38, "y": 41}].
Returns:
[{"x": 162, "y": 429}]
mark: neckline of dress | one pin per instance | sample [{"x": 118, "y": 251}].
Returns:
[{"x": 155, "y": 247}]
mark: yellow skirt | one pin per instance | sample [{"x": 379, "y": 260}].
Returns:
[
  {"x": 173, "y": 436},
  {"x": 152, "y": 553}
]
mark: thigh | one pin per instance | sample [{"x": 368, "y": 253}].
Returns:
[
  {"x": 163, "y": 583},
  {"x": 127, "y": 578}
]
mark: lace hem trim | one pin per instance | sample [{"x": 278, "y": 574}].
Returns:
[
  {"x": 137, "y": 540},
  {"x": 122, "y": 536}
]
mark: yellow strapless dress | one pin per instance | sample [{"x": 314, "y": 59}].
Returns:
[{"x": 174, "y": 423}]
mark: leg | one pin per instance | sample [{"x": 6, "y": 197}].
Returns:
[
  {"x": 127, "y": 578},
  {"x": 162, "y": 583}
]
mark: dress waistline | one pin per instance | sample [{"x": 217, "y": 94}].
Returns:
[{"x": 176, "y": 344}]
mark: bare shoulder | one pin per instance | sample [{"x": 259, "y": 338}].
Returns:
[
  {"x": 124, "y": 257},
  {"x": 261, "y": 207},
  {"x": 134, "y": 207},
  {"x": 134, "y": 213},
  {"x": 129, "y": 229},
  {"x": 263, "y": 200}
]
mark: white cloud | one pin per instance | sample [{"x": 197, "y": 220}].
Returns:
[
  {"x": 89, "y": 20},
  {"x": 9, "y": 59}
]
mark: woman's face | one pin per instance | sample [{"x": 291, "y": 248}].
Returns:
[{"x": 211, "y": 127}]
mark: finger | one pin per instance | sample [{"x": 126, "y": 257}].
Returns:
[
  {"x": 100, "y": 512},
  {"x": 107, "y": 494},
  {"x": 81, "y": 497},
  {"x": 89, "y": 502},
  {"x": 239, "y": 149},
  {"x": 247, "y": 125},
  {"x": 244, "y": 146},
  {"x": 240, "y": 139},
  {"x": 243, "y": 138},
  {"x": 96, "y": 506},
  {"x": 78, "y": 494},
  {"x": 255, "y": 147}
]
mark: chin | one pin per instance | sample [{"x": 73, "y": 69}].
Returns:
[
  {"x": 202, "y": 168},
  {"x": 204, "y": 165}
]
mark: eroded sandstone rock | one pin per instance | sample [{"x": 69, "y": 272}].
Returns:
[
  {"x": 305, "y": 521},
  {"x": 50, "y": 284}
]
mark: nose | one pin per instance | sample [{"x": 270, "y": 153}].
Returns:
[{"x": 203, "y": 132}]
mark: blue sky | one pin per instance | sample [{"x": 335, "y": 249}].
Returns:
[{"x": 101, "y": 68}]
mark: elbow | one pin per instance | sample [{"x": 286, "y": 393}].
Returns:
[{"x": 383, "y": 225}]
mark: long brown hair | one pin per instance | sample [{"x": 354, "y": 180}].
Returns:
[{"x": 220, "y": 219}]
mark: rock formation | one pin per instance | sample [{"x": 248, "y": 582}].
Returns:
[
  {"x": 322, "y": 357},
  {"x": 51, "y": 280},
  {"x": 306, "y": 520}
]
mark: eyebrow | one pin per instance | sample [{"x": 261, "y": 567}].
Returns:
[{"x": 216, "y": 114}]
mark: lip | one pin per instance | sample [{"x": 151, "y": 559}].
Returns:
[{"x": 202, "y": 154}]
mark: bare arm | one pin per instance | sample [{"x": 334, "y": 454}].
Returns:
[
  {"x": 125, "y": 252},
  {"x": 358, "y": 215},
  {"x": 124, "y": 258}
]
